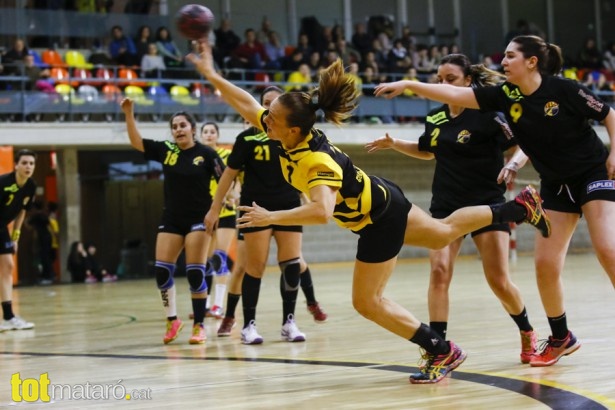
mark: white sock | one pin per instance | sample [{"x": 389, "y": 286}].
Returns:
[
  {"x": 220, "y": 294},
  {"x": 168, "y": 301}
]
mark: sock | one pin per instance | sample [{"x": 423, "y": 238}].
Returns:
[
  {"x": 198, "y": 308},
  {"x": 559, "y": 326},
  {"x": 308, "y": 287},
  {"x": 209, "y": 279},
  {"x": 231, "y": 303},
  {"x": 250, "y": 288},
  {"x": 220, "y": 293},
  {"x": 509, "y": 211},
  {"x": 168, "y": 302},
  {"x": 439, "y": 328},
  {"x": 7, "y": 310},
  {"x": 431, "y": 341},
  {"x": 522, "y": 321}
]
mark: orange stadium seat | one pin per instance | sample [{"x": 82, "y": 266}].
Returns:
[
  {"x": 52, "y": 58},
  {"x": 61, "y": 76},
  {"x": 128, "y": 76}
]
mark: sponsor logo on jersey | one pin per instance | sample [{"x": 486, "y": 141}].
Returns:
[
  {"x": 551, "y": 109},
  {"x": 512, "y": 93},
  {"x": 198, "y": 160},
  {"x": 500, "y": 119},
  {"x": 198, "y": 227},
  {"x": 326, "y": 174},
  {"x": 12, "y": 188},
  {"x": 608, "y": 185},
  {"x": 463, "y": 137},
  {"x": 437, "y": 119},
  {"x": 591, "y": 102}
]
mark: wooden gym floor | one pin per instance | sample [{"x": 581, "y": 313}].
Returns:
[{"x": 97, "y": 343}]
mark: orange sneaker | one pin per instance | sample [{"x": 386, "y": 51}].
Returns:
[
  {"x": 437, "y": 367},
  {"x": 528, "y": 345},
  {"x": 198, "y": 335},
  {"x": 552, "y": 350},
  {"x": 173, "y": 329}
]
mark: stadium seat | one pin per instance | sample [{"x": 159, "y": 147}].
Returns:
[
  {"x": 61, "y": 76},
  {"x": 111, "y": 92},
  {"x": 38, "y": 61},
  {"x": 68, "y": 94},
  {"x": 52, "y": 58},
  {"x": 181, "y": 94},
  {"x": 84, "y": 76},
  {"x": 128, "y": 76},
  {"x": 137, "y": 95},
  {"x": 88, "y": 93},
  {"x": 76, "y": 59}
]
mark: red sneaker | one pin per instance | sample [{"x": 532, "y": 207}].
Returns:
[
  {"x": 173, "y": 329},
  {"x": 528, "y": 345},
  {"x": 536, "y": 216},
  {"x": 552, "y": 350},
  {"x": 437, "y": 367},
  {"x": 316, "y": 311}
]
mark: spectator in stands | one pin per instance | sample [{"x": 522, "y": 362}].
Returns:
[
  {"x": 250, "y": 54},
  {"x": 380, "y": 58},
  {"x": 14, "y": 56},
  {"x": 303, "y": 45},
  {"x": 100, "y": 273},
  {"x": 315, "y": 63},
  {"x": 275, "y": 51},
  {"x": 300, "y": 80},
  {"x": 292, "y": 62},
  {"x": 121, "y": 48},
  {"x": 608, "y": 59},
  {"x": 411, "y": 75},
  {"x": 98, "y": 56},
  {"x": 597, "y": 82},
  {"x": 142, "y": 40},
  {"x": 226, "y": 42},
  {"x": 346, "y": 52},
  {"x": 590, "y": 56},
  {"x": 152, "y": 64},
  {"x": 361, "y": 40},
  {"x": 34, "y": 74},
  {"x": 263, "y": 34},
  {"x": 399, "y": 61},
  {"x": 423, "y": 63},
  {"x": 171, "y": 54},
  {"x": 408, "y": 40},
  {"x": 138, "y": 6}
]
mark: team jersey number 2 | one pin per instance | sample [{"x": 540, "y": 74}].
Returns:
[
  {"x": 261, "y": 153},
  {"x": 434, "y": 137}
]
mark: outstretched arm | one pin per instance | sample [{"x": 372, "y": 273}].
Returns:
[
  {"x": 242, "y": 101},
  {"x": 444, "y": 93},
  {"x": 136, "y": 140},
  {"x": 224, "y": 184},
  {"x": 410, "y": 148},
  {"x": 316, "y": 211}
]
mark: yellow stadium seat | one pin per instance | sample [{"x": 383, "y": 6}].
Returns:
[
  {"x": 137, "y": 95},
  {"x": 76, "y": 59},
  {"x": 181, "y": 94}
]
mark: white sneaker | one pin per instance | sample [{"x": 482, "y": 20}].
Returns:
[
  {"x": 249, "y": 335},
  {"x": 16, "y": 323},
  {"x": 291, "y": 332}
]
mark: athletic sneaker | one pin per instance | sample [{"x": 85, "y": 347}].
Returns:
[
  {"x": 16, "y": 323},
  {"x": 228, "y": 323},
  {"x": 319, "y": 315},
  {"x": 552, "y": 350},
  {"x": 215, "y": 312},
  {"x": 250, "y": 336},
  {"x": 438, "y": 366},
  {"x": 173, "y": 329},
  {"x": 198, "y": 335},
  {"x": 291, "y": 332},
  {"x": 536, "y": 216},
  {"x": 528, "y": 345}
]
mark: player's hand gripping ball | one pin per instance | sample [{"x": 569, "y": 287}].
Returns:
[{"x": 194, "y": 21}]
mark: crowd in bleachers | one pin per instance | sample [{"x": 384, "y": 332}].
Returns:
[{"x": 152, "y": 62}]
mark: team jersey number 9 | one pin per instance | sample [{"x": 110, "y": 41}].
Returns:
[{"x": 516, "y": 110}]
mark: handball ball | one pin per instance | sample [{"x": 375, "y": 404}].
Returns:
[{"x": 194, "y": 21}]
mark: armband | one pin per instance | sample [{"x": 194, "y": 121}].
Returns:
[{"x": 15, "y": 235}]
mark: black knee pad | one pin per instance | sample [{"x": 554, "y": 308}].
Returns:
[
  {"x": 164, "y": 274},
  {"x": 195, "y": 273},
  {"x": 290, "y": 278}
]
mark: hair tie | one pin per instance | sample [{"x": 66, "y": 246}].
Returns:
[{"x": 314, "y": 104}]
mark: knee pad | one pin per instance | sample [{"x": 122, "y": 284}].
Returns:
[
  {"x": 219, "y": 260},
  {"x": 164, "y": 274},
  {"x": 290, "y": 278},
  {"x": 195, "y": 273}
]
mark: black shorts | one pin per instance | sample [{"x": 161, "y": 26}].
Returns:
[
  {"x": 272, "y": 206},
  {"x": 503, "y": 227},
  {"x": 384, "y": 238},
  {"x": 229, "y": 222},
  {"x": 570, "y": 197},
  {"x": 6, "y": 244},
  {"x": 181, "y": 225}
]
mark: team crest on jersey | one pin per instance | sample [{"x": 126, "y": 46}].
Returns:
[
  {"x": 198, "y": 160},
  {"x": 608, "y": 185},
  {"x": 463, "y": 137},
  {"x": 551, "y": 109}
]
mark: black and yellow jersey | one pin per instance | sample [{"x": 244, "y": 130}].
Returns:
[
  {"x": 13, "y": 198},
  {"x": 469, "y": 156},
  {"x": 552, "y": 125},
  {"x": 259, "y": 158},
  {"x": 223, "y": 153},
  {"x": 187, "y": 176}
]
